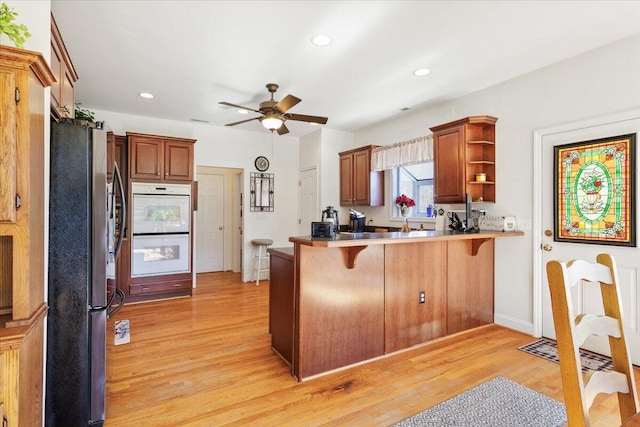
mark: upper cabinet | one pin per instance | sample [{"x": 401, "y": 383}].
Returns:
[
  {"x": 464, "y": 160},
  {"x": 62, "y": 91},
  {"x": 359, "y": 186},
  {"x": 160, "y": 158},
  {"x": 23, "y": 78}
]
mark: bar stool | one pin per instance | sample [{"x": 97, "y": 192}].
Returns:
[{"x": 261, "y": 256}]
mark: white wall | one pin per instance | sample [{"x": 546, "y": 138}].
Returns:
[
  {"x": 223, "y": 147},
  {"x": 597, "y": 83}
]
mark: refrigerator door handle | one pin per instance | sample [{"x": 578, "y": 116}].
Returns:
[{"x": 123, "y": 208}]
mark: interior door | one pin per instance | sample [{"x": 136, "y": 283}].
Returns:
[
  {"x": 309, "y": 209},
  {"x": 210, "y": 223},
  {"x": 586, "y": 297}
]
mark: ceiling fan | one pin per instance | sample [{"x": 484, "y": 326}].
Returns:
[{"x": 274, "y": 113}]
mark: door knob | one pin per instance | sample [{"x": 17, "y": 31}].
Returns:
[
  {"x": 220, "y": 228},
  {"x": 547, "y": 247}
]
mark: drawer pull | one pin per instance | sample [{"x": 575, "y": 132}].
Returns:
[
  {"x": 144, "y": 288},
  {"x": 177, "y": 285}
]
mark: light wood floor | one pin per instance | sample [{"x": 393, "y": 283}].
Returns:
[{"x": 207, "y": 361}]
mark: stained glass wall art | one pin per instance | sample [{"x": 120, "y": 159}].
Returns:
[{"x": 595, "y": 191}]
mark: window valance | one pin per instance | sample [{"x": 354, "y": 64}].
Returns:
[{"x": 416, "y": 150}]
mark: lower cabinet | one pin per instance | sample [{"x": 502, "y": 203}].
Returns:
[
  {"x": 281, "y": 302},
  {"x": 160, "y": 287}
]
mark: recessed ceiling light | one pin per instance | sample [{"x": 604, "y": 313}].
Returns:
[
  {"x": 146, "y": 95},
  {"x": 242, "y": 111},
  {"x": 321, "y": 40},
  {"x": 421, "y": 72}
]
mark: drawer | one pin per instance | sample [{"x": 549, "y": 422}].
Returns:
[{"x": 156, "y": 287}]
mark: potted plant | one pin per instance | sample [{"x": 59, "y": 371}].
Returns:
[
  {"x": 17, "y": 33},
  {"x": 84, "y": 114}
]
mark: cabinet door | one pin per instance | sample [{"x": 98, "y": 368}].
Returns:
[
  {"x": 449, "y": 163},
  {"x": 412, "y": 268},
  {"x": 346, "y": 179},
  {"x": 147, "y": 158},
  {"x": 111, "y": 148},
  {"x": 361, "y": 170},
  {"x": 7, "y": 147},
  {"x": 56, "y": 67},
  {"x": 178, "y": 161}
]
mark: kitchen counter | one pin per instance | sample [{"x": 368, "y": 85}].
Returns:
[
  {"x": 362, "y": 296},
  {"x": 354, "y": 239}
]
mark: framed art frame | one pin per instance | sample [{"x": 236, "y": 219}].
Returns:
[
  {"x": 261, "y": 187},
  {"x": 594, "y": 191}
]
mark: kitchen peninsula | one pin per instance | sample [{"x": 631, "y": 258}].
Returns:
[{"x": 364, "y": 295}]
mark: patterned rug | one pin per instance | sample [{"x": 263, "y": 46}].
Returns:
[
  {"x": 547, "y": 349},
  {"x": 498, "y": 402}
]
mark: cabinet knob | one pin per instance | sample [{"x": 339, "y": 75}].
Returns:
[{"x": 158, "y": 173}]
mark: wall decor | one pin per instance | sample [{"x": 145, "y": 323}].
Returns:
[
  {"x": 261, "y": 191},
  {"x": 261, "y": 163},
  {"x": 594, "y": 194}
]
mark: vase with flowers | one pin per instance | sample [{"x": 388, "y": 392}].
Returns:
[{"x": 405, "y": 204}]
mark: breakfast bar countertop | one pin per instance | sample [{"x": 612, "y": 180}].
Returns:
[{"x": 365, "y": 239}]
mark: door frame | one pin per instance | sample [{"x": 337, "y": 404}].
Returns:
[{"x": 538, "y": 136}]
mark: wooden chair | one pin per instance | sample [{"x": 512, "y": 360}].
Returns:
[{"x": 572, "y": 330}]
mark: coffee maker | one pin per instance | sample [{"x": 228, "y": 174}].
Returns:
[
  {"x": 329, "y": 226},
  {"x": 356, "y": 221},
  {"x": 330, "y": 214}
]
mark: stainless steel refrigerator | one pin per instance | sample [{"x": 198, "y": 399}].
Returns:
[{"x": 82, "y": 255}]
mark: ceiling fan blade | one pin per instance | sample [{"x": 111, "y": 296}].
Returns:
[
  {"x": 238, "y": 106},
  {"x": 286, "y": 103},
  {"x": 282, "y": 129},
  {"x": 242, "y": 121},
  {"x": 305, "y": 118}
]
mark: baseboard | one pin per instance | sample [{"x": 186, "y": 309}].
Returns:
[{"x": 513, "y": 323}]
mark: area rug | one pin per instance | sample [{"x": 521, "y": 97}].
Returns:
[
  {"x": 498, "y": 402},
  {"x": 547, "y": 349}
]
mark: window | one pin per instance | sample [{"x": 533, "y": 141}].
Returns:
[{"x": 416, "y": 181}]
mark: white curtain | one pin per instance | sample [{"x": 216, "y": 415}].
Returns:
[{"x": 416, "y": 150}]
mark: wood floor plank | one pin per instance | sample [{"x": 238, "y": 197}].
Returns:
[{"x": 207, "y": 361}]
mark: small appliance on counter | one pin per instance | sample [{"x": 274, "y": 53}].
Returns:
[
  {"x": 357, "y": 221},
  {"x": 329, "y": 226}
]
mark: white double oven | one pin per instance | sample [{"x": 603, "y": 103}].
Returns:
[{"x": 161, "y": 229}]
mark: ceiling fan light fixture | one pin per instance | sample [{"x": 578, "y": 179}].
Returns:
[{"x": 271, "y": 122}]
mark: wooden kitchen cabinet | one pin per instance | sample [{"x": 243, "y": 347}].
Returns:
[
  {"x": 62, "y": 90},
  {"x": 463, "y": 149},
  {"x": 160, "y": 158},
  {"x": 117, "y": 152},
  {"x": 359, "y": 185},
  {"x": 23, "y": 78}
]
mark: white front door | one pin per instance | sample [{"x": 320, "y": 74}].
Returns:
[
  {"x": 586, "y": 297},
  {"x": 210, "y": 223},
  {"x": 309, "y": 209}
]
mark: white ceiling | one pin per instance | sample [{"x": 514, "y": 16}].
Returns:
[{"x": 193, "y": 54}]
